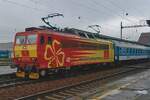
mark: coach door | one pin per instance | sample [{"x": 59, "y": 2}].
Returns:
[{"x": 117, "y": 53}]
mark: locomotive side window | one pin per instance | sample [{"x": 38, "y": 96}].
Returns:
[
  {"x": 90, "y": 36},
  {"x": 42, "y": 40},
  {"x": 68, "y": 44},
  {"x": 82, "y": 34},
  {"x": 103, "y": 46},
  {"x": 88, "y": 46},
  {"x": 49, "y": 40},
  {"x": 97, "y": 35}
]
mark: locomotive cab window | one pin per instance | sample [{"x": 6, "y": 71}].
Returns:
[
  {"x": 31, "y": 39},
  {"x": 42, "y": 40},
  {"x": 20, "y": 39}
]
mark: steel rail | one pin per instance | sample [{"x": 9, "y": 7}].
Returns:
[{"x": 53, "y": 91}]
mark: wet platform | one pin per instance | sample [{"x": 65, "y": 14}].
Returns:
[
  {"x": 6, "y": 70},
  {"x": 134, "y": 87}
]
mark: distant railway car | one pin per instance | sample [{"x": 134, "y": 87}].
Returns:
[
  {"x": 4, "y": 54},
  {"x": 38, "y": 51}
]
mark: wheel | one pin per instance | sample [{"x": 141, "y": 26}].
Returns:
[{"x": 43, "y": 73}]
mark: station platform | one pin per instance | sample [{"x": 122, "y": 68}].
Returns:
[
  {"x": 6, "y": 70},
  {"x": 134, "y": 87}
]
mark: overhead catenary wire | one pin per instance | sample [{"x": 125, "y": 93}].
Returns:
[
  {"x": 86, "y": 6},
  {"x": 122, "y": 9},
  {"x": 111, "y": 11},
  {"x": 109, "y": 1},
  {"x": 37, "y": 9},
  {"x": 23, "y": 5},
  {"x": 97, "y": 11},
  {"x": 90, "y": 8},
  {"x": 41, "y": 10}
]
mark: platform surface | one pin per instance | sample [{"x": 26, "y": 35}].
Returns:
[
  {"x": 6, "y": 70},
  {"x": 134, "y": 87}
]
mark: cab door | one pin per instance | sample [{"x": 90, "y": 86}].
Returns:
[{"x": 41, "y": 49}]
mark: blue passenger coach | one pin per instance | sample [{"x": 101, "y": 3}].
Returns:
[{"x": 125, "y": 50}]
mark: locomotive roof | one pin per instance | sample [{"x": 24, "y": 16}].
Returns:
[
  {"x": 62, "y": 33},
  {"x": 122, "y": 40},
  {"x": 112, "y": 38},
  {"x": 72, "y": 32}
]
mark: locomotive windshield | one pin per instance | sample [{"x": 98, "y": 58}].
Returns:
[
  {"x": 29, "y": 39},
  {"x": 20, "y": 39}
]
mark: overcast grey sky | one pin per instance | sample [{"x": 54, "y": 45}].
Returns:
[{"x": 19, "y": 14}]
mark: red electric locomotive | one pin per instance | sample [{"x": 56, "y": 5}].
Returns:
[{"x": 37, "y": 51}]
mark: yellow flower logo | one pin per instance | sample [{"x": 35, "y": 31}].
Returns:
[{"x": 54, "y": 54}]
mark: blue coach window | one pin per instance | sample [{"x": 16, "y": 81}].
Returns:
[
  {"x": 120, "y": 51},
  {"x": 130, "y": 51}
]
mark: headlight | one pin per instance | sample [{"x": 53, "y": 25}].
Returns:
[
  {"x": 19, "y": 59},
  {"x": 33, "y": 59}
]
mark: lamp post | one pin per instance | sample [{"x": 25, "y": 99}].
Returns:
[{"x": 121, "y": 30}]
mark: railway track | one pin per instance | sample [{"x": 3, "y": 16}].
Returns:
[
  {"x": 13, "y": 82},
  {"x": 6, "y": 79},
  {"x": 76, "y": 89},
  {"x": 59, "y": 87},
  {"x": 10, "y": 80},
  {"x": 7, "y": 83},
  {"x": 7, "y": 76}
]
